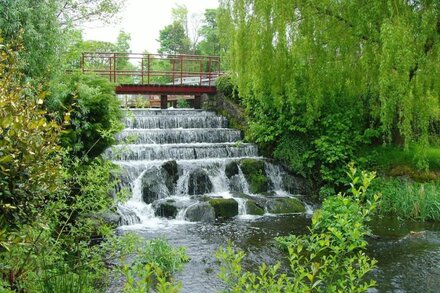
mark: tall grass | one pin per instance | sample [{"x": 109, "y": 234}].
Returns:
[{"x": 408, "y": 199}]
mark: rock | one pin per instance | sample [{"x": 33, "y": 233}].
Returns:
[
  {"x": 259, "y": 200},
  {"x": 231, "y": 169},
  {"x": 128, "y": 216},
  {"x": 153, "y": 185},
  {"x": 108, "y": 217},
  {"x": 224, "y": 207},
  {"x": 111, "y": 218},
  {"x": 236, "y": 184},
  {"x": 293, "y": 184},
  {"x": 171, "y": 174},
  {"x": 200, "y": 212},
  {"x": 253, "y": 171},
  {"x": 166, "y": 209},
  {"x": 269, "y": 193},
  {"x": 285, "y": 205},
  {"x": 199, "y": 183},
  {"x": 252, "y": 208}
]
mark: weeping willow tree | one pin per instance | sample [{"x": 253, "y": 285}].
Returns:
[{"x": 310, "y": 70}]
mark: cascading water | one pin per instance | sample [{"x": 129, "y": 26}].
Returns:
[
  {"x": 181, "y": 164},
  {"x": 178, "y": 163}
]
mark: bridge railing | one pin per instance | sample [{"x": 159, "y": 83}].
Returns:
[{"x": 143, "y": 69}]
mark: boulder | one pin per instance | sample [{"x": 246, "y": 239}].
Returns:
[
  {"x": 224, "y": 207},
  {"x": 260, "y": 201},
  {"x": 293, "y": 184},
  {"x": 199, "y": 183},
  {"x": 170, "y": 173},
  {"x": 153, "y": 185},
  {"x": 128, "y": 217},
  {"x": 166, "y": 209},
  {"x": 231, "y": 169},
  {"x": 252, "y": 208},
  {"x": 285, "y": 205},
  {"x": 200, "y": 212},
  {"x": 253, "y": 171}
]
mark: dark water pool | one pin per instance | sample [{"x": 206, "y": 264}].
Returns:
[{"x": 408, "y": 253}]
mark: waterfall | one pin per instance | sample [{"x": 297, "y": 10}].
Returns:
[{"x": 175, "y": 161}]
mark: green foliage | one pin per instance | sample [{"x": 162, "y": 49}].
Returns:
[
  {"x": 51, "y": 205},
  {"x": 182, "y": 103},
  {"x": 324, "y": 77},
  {"x": 90, "y": 104},
  {"x": 74, "y": 12},
  {"x": 226, "y": 87},
  {"x": 46, "y": 39},
  {"x": 26, "y": 134},
  {"x": 396, "y": 161},
  {"x": 40, "y": 36},
  {"x": 173, "y": 40},
  {"x": 409, "y": 200},
  {"x": 142, "y": 102},
  {"x": 210, "y": 43},
  {"x": 155, "y": 262},
  {"x": 329, "y": 259}
]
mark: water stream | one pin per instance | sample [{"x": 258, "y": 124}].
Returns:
[{"x": 175, "y": 161}]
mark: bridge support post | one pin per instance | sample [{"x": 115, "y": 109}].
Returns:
[
  {"x": 163, "y": 101},
  {"x": 197, "y": 102}
]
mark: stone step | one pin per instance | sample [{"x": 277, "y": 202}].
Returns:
[
  {"x": 180, "y": 151},
  {"x": 176, "y": 121},
  {"x": 187, "y": 135}
]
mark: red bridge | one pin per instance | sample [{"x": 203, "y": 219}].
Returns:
[{"x": 155, "y": 74}]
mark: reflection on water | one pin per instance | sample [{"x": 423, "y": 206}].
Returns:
[{"x": 408, "y": 253}]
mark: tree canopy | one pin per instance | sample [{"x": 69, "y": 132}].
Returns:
[
  {"x": 173, "y": 40},
  {"x": 298, "y": 62}
]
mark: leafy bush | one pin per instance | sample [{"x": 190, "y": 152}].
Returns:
[
  {"x": 29, "y": 153},
  {"x": 182, "y": 103},
  {"x": 226, "y": 87},
  {"x": 48, "y": 201},
  {"x": 154, "y": 263},
  {"x": 89, "y": 103},
  {"x": 330, "y": 259}
]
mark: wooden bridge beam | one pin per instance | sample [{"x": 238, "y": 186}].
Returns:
[
  {"x": 163, "y": 101},
  {"x": 197, "y": 101}
]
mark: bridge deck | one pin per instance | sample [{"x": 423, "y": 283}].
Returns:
[{"x": 165, "y": 89}]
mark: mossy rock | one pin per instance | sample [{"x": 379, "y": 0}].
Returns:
[
  {"x": 285, "y": 205},
  {"x": 231, "y": 169},
  {"x": 249, "y": 166},
  {"x": 253, "y": 171},
  {"x": 224, "y": 207},
  {"x": 252, "y": 208},
  {"x": 166, "y": 209}
]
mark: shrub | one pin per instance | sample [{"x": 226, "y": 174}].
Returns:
[
  {"x": 89, "y": 103},
  {"x": 155, "y": 262},
  {"x": 329, "y": 259},
  {"x": 30, "y": 157},
  {"x": 182, "y": 103},
  {"x": 226, "y": 87}
]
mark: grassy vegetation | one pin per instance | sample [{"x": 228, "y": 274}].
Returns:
[
  {"x": 405, "y": 198},
  {"x": 394, "y": 161},
  {"x": 411, "y": 189}
]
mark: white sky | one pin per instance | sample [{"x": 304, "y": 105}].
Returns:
[{"x": 143, "y": 19}]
